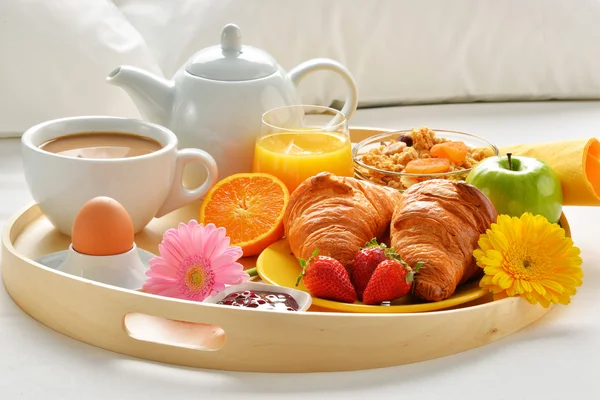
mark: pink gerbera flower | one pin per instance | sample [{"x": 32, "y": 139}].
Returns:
[{"x": 195, "y": 262}]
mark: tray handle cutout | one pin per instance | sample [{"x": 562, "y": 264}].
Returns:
[{"x": 169, "y": 332}]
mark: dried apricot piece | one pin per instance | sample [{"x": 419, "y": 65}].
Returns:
[
  {"x": 453, "y": 151},
  {"x": 427, "y": 166}
]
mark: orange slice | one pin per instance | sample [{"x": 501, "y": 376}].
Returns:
[
  {"x": 427, "y": 166},
  {"x": 250, "y": 207},
  {"x": 454, "y": 151}
]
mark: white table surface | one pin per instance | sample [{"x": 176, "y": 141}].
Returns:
[{"x": 554, "y": 358}]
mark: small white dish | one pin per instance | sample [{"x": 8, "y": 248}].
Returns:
[
  {"x": 127, "y": 270},
  {"x": 303, "y": 299}
]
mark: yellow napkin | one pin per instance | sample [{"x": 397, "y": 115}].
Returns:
[{"x": 576, "y": 162}]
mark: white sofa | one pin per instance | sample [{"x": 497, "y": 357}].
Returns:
[{"x": 56, "y": 55}]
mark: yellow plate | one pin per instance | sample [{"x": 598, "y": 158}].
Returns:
[{"x": 277, "y": 265}]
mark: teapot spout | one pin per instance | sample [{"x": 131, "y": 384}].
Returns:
[{"x": 152, "y": 95}]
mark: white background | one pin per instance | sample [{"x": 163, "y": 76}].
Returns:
[{"x": 55, "y": 55}]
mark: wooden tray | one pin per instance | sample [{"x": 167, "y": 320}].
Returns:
[{"x": 208, "y": 336}]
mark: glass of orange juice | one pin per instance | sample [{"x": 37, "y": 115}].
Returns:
[{"x": 298, "y": 142}]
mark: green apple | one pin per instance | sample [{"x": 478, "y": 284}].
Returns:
[{"x": 517, "y": 184}]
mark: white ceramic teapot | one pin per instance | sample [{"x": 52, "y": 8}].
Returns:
[{"x": 215, "y": 101}]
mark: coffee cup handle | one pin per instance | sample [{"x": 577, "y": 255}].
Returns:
[{"x": 179, "y": 195}]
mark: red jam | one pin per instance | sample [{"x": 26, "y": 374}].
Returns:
[{"x": 262, "y": 300}]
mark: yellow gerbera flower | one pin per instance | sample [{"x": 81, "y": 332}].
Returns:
[{"x": 531, "y": 258}]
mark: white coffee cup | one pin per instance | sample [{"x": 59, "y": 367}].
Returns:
[{"x": 147, "y": 186}]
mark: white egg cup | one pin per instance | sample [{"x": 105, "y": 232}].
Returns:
[{"x": 125, "y": 270}]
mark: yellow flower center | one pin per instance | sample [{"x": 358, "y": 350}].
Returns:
[
  {"x": 524, "y": 262},
  {"x": 194, "y": 278}
]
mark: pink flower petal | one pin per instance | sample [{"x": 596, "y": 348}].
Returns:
[
  {"x": 209, "y": 242},
  {"x": 202, "y": 237},
  {"x": 234, "y": 280},
  {"x": 222, "y": 261},
  {"x": 157, "y": 260},
  {"x": 210, "y": 228},
  {"x": 159, "y": 282},
  {"x": 221, "y": 243},
  {"x": 159, "y": 289},
  {"x": 171, "y": 291},
  {"x": 234, "y": 251},
  {"x": 171, "y": 250},
  {"x": 186, "y": 233},
  {"x": 157, "y": 286},
  {"x": 231, "y": 276},
  {"x": 234, "y": 266},
  {"x": 160, "y": 261},
  {"x": 198, "y": 237},
  {"x": 217, "y": 288},
  {"x": 163, "y": 272},
  {"x": 169, "y": 258},
  {"x": 198, "y": 297}
]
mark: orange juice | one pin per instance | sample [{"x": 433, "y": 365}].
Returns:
[{"x": 293, "y": 157}]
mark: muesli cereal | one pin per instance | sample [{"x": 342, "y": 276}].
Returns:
[{"x": 420, "y": 152}]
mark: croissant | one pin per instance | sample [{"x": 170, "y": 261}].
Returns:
[
  {"x": 439, "y": 222},
  {"x": 337, "y": 215}
]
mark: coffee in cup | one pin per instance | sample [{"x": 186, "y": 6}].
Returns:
[
  {"x": 69, "y": 161},
  {"x": 101, "y": 145}
]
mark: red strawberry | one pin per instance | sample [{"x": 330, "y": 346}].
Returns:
[
  {"x": 391, "y": 280},
  {"x": 365, "y": 262},
  {"x": 326, "y": 278}
]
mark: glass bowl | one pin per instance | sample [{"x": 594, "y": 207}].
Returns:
[{"x": 372, "y": 165}]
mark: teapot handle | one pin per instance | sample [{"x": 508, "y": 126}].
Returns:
[{"x": 317, "y": 64}]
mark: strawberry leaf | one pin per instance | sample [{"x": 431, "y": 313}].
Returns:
[
  {"x": 373, "y": 243},
  {"x": 418, "y": 266},
  {"x": 392, "y": 255},
  {"x": 299, "y": 278},
  {"x": 314, "y": 254},
  {"x": 410, "y": 277},
  {"x": 303, "y": 264}
]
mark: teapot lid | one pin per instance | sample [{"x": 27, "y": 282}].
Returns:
[{"x": 230, "y": 61}]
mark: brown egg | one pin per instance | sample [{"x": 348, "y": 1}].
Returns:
[{"x": 102, "y": 228}]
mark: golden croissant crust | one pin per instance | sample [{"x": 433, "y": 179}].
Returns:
[
  {"x": 439, "y": 222},
  {"x": 337, "y": 215}
]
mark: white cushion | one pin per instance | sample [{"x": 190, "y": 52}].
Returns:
[{"x": 56, "y": 55}]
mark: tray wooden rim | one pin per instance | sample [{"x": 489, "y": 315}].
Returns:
[
  {"x": 318, "y": 333},
  {"x": 277, "y": 342}
]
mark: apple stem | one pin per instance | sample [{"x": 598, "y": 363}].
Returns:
[{"x": 509, "y": 155}]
